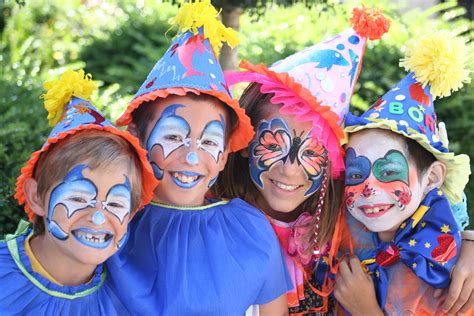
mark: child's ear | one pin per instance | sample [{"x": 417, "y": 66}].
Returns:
[
  {"x": 32, "y": 197},
  {"x": 435, "y": 173}
]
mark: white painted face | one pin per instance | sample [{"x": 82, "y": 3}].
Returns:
[
  {"x": 186, "y": 147},
  {"x": 382, "y": 186}
]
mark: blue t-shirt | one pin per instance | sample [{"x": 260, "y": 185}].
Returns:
[
  {"x": 216, "y": 259},
  {"x": 25, "y": 292}
]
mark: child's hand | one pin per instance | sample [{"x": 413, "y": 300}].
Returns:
[
  {"x": 460, "y": 296},
  {"x": 354, "y": 289}
]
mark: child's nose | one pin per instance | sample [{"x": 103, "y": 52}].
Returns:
[
  {"x": 369, "y": 190},
  {"x": 98, "y": 218},
  {"x": 290, "y": 168},
  {"x": 192, "y": 158}
]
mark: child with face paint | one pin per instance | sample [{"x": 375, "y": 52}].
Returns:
[
  {"x": 292, "y": 169},
  {"x": 80, "y": 190},
  {"x": 400, "y": 182},
  {"x": 188, "y": 254}
]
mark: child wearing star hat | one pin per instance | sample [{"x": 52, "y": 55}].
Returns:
[
  {"x": 188, "y": 254},
  {"x": 79, "y": 190},
  {"x": 400, "y": 181}
]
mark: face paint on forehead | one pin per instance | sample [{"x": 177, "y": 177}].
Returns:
[
  {"x": 119, "y": 200},
  {"x": 170, "y": 132},
  {"x": 212, "y": 138},
  {"x": 74, "y": 193},
  {"x": 276, "y": 143}
]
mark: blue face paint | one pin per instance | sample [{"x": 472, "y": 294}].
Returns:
[
  {"x": 187, "y": 185},
  {"x": 98, "y": 218},
  {"x": 75, "y": 193},
  {"x": 213, "y": 180},
  {"x": 212, "y": 138},
  {"x": 122, "y": 241},
  {"x": 119, "y": 200},
  {"x": 192, "y": 158},
  {"x": 357, "y": 168},
  {"x": 170, "y": 133},
  {"x": 81, "y": 233}
]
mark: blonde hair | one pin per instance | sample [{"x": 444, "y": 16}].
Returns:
[{"x": 98, "y": 149}]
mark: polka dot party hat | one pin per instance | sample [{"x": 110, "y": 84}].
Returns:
[{"x": 436, "y": 63}]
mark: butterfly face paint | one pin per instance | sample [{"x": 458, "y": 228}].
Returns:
[
  {"x": 276, "y": 144},
  {"x": 76, "y": 196},
  {"x": 187, "y": 147},
  {"x": 381, "y": 188}
]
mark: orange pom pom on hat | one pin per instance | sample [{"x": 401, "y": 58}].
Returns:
[
  {"x": 70, "y": 111},
  {"x": 191, "y": 65}
]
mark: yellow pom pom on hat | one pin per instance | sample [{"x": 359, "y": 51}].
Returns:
[
  {"x": 70, "y": 110},
  {"x": 190, "y": 65},
  {"x": 436, "y": 62}
]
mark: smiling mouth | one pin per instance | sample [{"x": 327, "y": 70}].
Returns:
[
  {"x": 285, "y": 187},
  {"x": 375, "y": 210},
  {"x": 186, "y": 179},
  {"x": 98, "y": 239}
]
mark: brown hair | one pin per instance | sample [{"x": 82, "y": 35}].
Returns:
[
  {"x": 234, "y": 181},
  {"x": 143, "y": 115},
  {"x": 98, "y": 149}
]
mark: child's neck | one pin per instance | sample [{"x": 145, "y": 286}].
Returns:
[
  {"x": 387, "y": 236},
  {"x": 62, "y": 268}
]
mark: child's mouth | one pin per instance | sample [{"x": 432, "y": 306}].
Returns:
[
  {"x": 186, "y": 179},
  {"x": 285, "y": 187},
  {"x": 375, "y": 210},
  {"x": 99, "y": 239}
]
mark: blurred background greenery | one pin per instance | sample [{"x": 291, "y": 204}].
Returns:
[{"x": 119, "y": 42}]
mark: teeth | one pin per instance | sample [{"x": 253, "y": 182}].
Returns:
[
  {"x": 95, "y": 238},
  {"x": 285, "y": 187},
  {"x": 185, "y": 179}
]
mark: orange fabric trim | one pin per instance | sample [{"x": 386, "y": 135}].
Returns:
[
  {"x": 240, "y": 136},
  {"x": 149, "y": 182},
  {"x": 286, "y": 80}
]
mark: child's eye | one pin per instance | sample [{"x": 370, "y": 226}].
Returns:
[
  {"x": 309, "y": 152},
  {"x": 115, "y": 205},
  {"x": 355, "y": 176},
  {"x": 274, "y": 147},
  {"x": 174, "y": 138},
  {"x": 208, "y": 142},
  {"x": 388, "y": 173},
  {"x": 77, "y": 199}
]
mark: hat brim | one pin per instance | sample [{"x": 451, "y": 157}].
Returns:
[
  {"x": 149, "y": 182},
  {"x": 241, "y": 135},
  {"x": 457, "y": 166}
]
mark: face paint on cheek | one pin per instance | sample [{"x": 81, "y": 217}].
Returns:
[
  {"x": 74, "y": 193},
  {"x": 122, "y": 241},
  {"x": 211, "y": 183},
  {"x": 169, "y": 133},
  {"x": 212, "y": 138},
  {"x": 119, "y": 200},
  {"x": 272, "y": 144},
  {"x": 313, "y": 157}
]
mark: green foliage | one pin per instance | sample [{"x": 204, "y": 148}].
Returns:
[{"x": 119, "y": 42}]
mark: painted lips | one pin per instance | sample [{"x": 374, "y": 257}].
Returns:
[
  {"x": 98, "y": 239},
  {"x": 186, "y": 179},
  {"x": 375, "y": 210}
]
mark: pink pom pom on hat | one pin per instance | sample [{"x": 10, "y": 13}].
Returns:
[{"x": 317, "y": 83}]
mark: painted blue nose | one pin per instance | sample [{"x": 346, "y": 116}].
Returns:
[
  {"x": 192, "y": 158},
  {"x": 98, "y": 218}
]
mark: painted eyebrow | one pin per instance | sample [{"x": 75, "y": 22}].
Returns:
[{"x": 76, "y": 191}]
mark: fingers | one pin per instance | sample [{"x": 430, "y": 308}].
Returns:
[
  {"x": 454, "y": 289},
  {"x": 464, "y": 297},
  {"x": 468, "y": 306}
]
